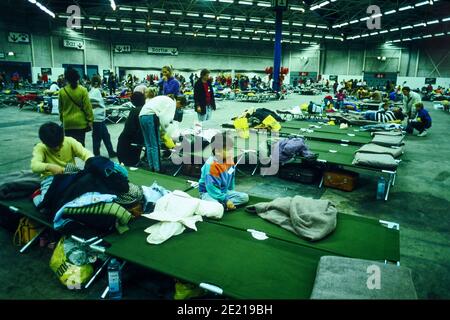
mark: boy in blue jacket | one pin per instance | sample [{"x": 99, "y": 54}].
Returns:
[
  {"x": 421, "y": 122},
  {"x": 217, "y": 179}
]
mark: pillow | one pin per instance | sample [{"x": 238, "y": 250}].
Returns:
[
  {"x": 374, "y": 148},
  {"x": 373, "y": 160},
  {"x": 387, "y": 140}
]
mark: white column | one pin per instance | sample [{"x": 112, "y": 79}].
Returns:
[
  {"x": 364, "y": 61},
  {"x": 348, "y": 61},
  {"x": 417, "y": 62},
  {"x": 84, "y": 58},
  {"x": 32, "y": 50},
  {"x": 51, "y": 52}
]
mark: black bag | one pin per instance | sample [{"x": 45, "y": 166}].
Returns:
[{"x": 299, "y": 173}]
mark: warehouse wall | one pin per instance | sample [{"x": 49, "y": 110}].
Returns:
[{"x": 422, "y": 59}]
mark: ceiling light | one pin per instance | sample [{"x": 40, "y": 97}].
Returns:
[
  {"x": 192, "y": 14},
  {"x": 364, "y": 35},
  {"x": 356, "y": 37},
  {"x": 113, "y": 4},
  {"x": 211, "y": 16},
  {"x": 226, "y": 1},
  {"x": 311, "y": 25},
  {"x": 114, "y": 28},
  {"x": 323, "y": 27},
  {"x": 141, "y": 9},
  {"x": 245, "y": 38},
  {"x": 248, "y": 3},
  {"x": 297, "y": 24},
  {"x": 224, "y": 28},
  {"x": 383, "y": 31},
  {"x": 95, "y": 18},
  {"x": 266, "y": 39},
  {"x": 156, "y": 23},
  {"x": 405, "y": 8},
  {"x": 420, "y": 25},
  {"x": 263, "y": 4},
  {"x": 433, "y": 22},
  {"x": 374, "y": 33},
  {"x": 390, "y": 12},
  {"x": 125, "y": 8},
  {"x": 183, "y": 25},
  {"x": 153, "y": 31},
  {"x": 255, "y": 20},
  {"x": 394, "y": 29},
  {"x": 159, "y": 11},
  {"x": 396, "y": 40},
  {"x": 43, "y": 8},
  {"x": 176, "y": 13},
  {"x": 297, "y": 9},
  {"x": 223, "y": 36},
  {"x": 376, "y": 15},
  {"x": 110, "y": 19},
  {"x": 269, "y": 21},
  {"x": 234, "y": 37},
  {"x": 224, "y": 17},
  {"x": 364, "y": 19},
  {"x": 427, "y": 36},
  {"x": 446, "y": 19},
  {"x": 422, "y": 3},
  {"x": 178, "y": 33},
  {"x": 165, "y": 31},
  {"x": 197, "y": 26},
  {"x": 240, "y": 19},
  {"x": 308, "y": 35},
  {"x": 170, "y": 24},
  {"x": 127, "y": 29},
  {"x": 406, "y": 27},
  {"x": 140, "y": 21},
  {"x": 125, "y": 20},
  {"x": 211, "y": 27},
  {"x": 189, "y": 33},
  {"x": 237, "y": 29},
  {"x": 140, "y": 30},
  {"x": 354, "y": 21},
  {"x": 439, "y": 34}
]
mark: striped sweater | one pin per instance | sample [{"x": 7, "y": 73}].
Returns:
[
  {"x": 385, "y": 116},
  {"x": 217, "y": 179}
]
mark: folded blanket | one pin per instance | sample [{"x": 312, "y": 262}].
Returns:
[
  {"x": 381, "y": 161},
  {"x": 18, "y": 184},
  {"x": 374, "y": 148},
  {"x": 386, "y": 140},
  {"x": 309, "y": 218}
]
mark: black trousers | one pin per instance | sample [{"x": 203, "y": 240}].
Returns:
[{"x": 77, "y": 134}]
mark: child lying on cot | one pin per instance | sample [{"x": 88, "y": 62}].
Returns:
[
  {"x": 385, "y": 114},
  {"x": 56, "y": 151},
  {"x": 217, "y": 179}
]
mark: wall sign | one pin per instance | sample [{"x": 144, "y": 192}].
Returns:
[
  {"x": 380, "y": 75},
  {"x": 303, "y": 74},
  {"x": 106, "y": 73},
  {"x": 2, "y": 55},
  {"x": 47, "y": 71},
  {"x": 122, "y": 48},
  {"x": 75, "y": 44},
  {"x": 430, "y": 80},
  {"x": 18, "y": 37},
  {"x": 333, "y": 78},
  {"x": 163, "y": 50}
]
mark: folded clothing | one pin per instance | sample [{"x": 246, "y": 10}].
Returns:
[
  {"x": 387, "y": 140},
  {"x": 373, "y": 160},
  {"x": 374, "y": 148}
]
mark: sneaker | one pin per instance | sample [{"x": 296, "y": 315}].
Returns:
[{"x": 423, "y": 134}]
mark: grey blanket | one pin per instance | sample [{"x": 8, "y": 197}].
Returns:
[
  {"x": 374, "y": 148},
  {"x": 18, "y": 184},
  {"x": 309, "y": 218}
]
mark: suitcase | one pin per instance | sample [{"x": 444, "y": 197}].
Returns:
[
  {"x": 299, "y": 173},
  {"x": 341, "y": 179}
]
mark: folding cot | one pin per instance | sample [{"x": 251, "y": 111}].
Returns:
[{"x": 225, "y": 257}]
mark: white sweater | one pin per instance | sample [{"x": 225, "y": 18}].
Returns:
[
  {"x": 95, "y": 95},
  {"x": 164, "y": 108}
]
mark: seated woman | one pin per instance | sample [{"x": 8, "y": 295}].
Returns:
[{"x": 131, "y": 140}]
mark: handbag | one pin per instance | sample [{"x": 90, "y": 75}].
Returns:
[{"x": 88, "y": 128}]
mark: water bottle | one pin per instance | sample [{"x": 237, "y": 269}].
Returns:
[
  {"x": 114, "y": 280},
  {"x": 381, "y": 188}
]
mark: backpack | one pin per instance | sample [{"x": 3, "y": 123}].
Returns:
[{"x": 26, "y": 230}]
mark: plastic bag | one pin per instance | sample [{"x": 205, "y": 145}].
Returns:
[
  {"x": 273, "y": 124},
  {"x": 26, "y": 230},
  {"x": 70, "y": 274},
  {"x": 242, "y": 127}
]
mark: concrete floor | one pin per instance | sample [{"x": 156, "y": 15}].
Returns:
[{"x": 419, "y": 202}]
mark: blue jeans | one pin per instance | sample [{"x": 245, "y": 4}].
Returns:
[
  {"x": 150, "y": 131},
  {"x": 206, "y": 116},
  {"x": 99, "y": 133},
  {"x": 238, "y": 198},
  {"x": 370, "y": 115}
]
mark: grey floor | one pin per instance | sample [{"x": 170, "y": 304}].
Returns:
[{"x": 419, "y": 202}]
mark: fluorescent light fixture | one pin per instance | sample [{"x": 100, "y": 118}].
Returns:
[
  {"x": 318, "y": 36},
  {"x": 211, "y": 27},
  {"x": 237, "y": 29},
  {"x": 249, "y": 30},
  {"x": 256, "y": 38},
  {"x": 396, "y": 40},
  {"x": 110, "y": 19},
  {"x": 364, "y": 35},
  {"x": 374, "y": 33},
  {"x": 356, "y": 37},
  {"x": 165, "y": 31},
  {"x": 390, "y": 12},
  {"x": 407, "y": 39},
  {"x": 211, "y": 16},
  {"x": 170, "y": 24},
  {"x": 342, "y": 24},
  {"x": 248, "y": 3},
  {"x": 223, "y": 36},
  {"x": 113, "y": 4},
  {"x": 141, "y": 9},
  {"x": 376, "y": 15},
  {"x": 43, "y": 8},
  {"x": 179, "y": 33},
  {"x": 192, "y": 14},
  {"x": 336, "y": 26},
  {"x": 383, "y": 31},
  {"x": 224, "y": 17},
  {"x": 189, "y": 33},
  {"x": 125, "y": 8},
  {"x": 245, "y": 38},
  {"x": 423, "y": 3},
  {"x": 406, "y": 27},
  {"x": 405, "y": 8},
  {"x": 308, "y": 35},
  {"x": 153, "y": 31},
  {"x": 394, "y": 29},
  {"x": 297, "y": 24},
  {"x": 427, "y": 36},
  {"x": 310, "y": 25},
  {"x": 234, "y": 37},
  {"x": 95, "y": 18},
  {"x": 127, "y": 29},
  {"x": 183, "y": 25},
  {"x": 140, "y": 30},
  {"x": 263, "y": 4},
  {"x": 88, "y": 27},
  {"x": 255, "y": 20},
  {"x": 285, "y": 23},
  {"x": 420, "y": 25},
  {"x": 364, "y": 19},
  {"x": 160, "y": 11},
  {"x": 201, "y": 34},
  {"x": 197, "y": 26},
  {"x": 156, "y": 23},
  {"x": 296, "y": 34},
  {"x": 227, "y": 1},
  {"x": 125, "y": 20},
  {"x": 260, "y": 31},
  {"x": 211, "y": 36},
  {"x": 269, "y": 21},
  {"x": 433, "y": 22},
  {"x": 446, "y": 19},
  {"x": 305, "y": 42},
  {"x": 176, "y": 13},
  {"x": 102, "y": 28},
  {"x": 417, "y": 38},
  {"x": 140, "y": 21},
  {"x": 439, "y": 34},
  {"x": 266, "y": 39},
  {"x": 354, "y": 21},
  {"x": 240, "y": 19},
  {"x": 297, "y": 8},
  {"x": 328, "y": 37},
  {"x": 114, "y": 28},
  {"x": 285, "y": 33},
  {"x": 224, "y": 28},
  {"x": 271, "y": 32}
]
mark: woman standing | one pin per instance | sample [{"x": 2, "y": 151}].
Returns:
[
  {"x": 75, "y": 109},
  {"x": 99, "y": 130},
  {"x": 171, "y": 88},
  {"x": 204, "y": 97}
]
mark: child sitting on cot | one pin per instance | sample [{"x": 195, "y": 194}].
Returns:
[{"x": 217, "y": 179}]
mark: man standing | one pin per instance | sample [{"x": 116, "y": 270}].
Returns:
[
  {"x": 410, "y": 98},
  {"x": 112, "y": 84},
  {"x": 204, "y": 97}
]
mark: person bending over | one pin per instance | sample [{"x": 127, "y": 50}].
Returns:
[
  {"x": 421, "y": 122},
  {"x": 51, "y": 156},
  {"x": 217, "y": 179}
]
